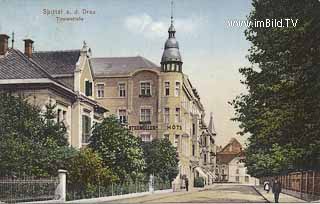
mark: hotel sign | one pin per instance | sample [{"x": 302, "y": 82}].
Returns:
[
  {"x": 143, "y": 127},
  {"x": 174, "y": 127}
]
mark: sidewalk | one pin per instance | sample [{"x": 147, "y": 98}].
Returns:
[
  {"x": 120, "y": 197},
  {"x": 283, "y": 198}
]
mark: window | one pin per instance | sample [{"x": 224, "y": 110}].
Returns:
[
  {"x": 205, "y": 158},
  {"x": 177, "y": 118},
  {"x": 86, "y": 127},
  {"x": 193, "y": 150},
  {"x": 167, "y": 88},
  {"x": 122, "y": 89},
  {"x": 59, "y": 119},
  {"x": 246, "y": 179},
  {"x": 100, "y": 90},
  {"x": 237, "y": 179},
  {"x": 88, "y": 88},
  {"x": 166, "y": 115},
  {"x": 166, "y": 136},
  {"x": 237, "y": 171},
  {"x": 177, "y": 89},
  {"x": 145, "y": 115},
  {"x": 222, "y": 171},
  {"x": 145, "y": 89},
  {"x": 193, "y": 129},
  {"x": 176, "y": 140},
  {"x": 217, "y": 171},
  {"x": 145, "y": 137},
  {"x": 122, "y": 116}
]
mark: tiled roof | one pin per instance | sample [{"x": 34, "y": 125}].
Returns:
[
  {"x": 111, "y": 66},
  {"x": 57, "y": 62},
  {"x": 225, "y": 158},
  {"x": 15, "y": 65}
]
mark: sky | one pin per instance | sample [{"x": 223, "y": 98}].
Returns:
[{"x": 212, "y": 52}]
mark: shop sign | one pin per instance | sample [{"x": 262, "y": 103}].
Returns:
[{"x": 143, "y": 127}]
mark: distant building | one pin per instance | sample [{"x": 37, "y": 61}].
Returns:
[{"x": 230, "y": 165}]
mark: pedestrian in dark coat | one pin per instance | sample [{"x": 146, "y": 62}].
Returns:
[
  {"x": 276, "y": 190},
  {"x": 187, "y": 184}
]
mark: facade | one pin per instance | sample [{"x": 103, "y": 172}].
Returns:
[
  {"x": 230, "y": 165},
  {"x": 153, "y": 101},
  {"x": 63, "y": 78},
  {"x": 158, "y": 102}
]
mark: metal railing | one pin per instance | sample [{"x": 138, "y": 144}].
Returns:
[
  {"x": 75, "y": 192},
  {"x": 27, "y": 189}
]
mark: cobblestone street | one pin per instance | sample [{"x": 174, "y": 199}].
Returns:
[{"x": 215, "y": 194}]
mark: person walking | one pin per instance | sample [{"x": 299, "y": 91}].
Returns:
[
  {"x": 267, "y": 186},
  {"x": 276, "y": 189},
  {"x": 187, "y": 184}
]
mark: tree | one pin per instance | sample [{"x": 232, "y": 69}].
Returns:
[
  {"x": 32, "y": 143},
  {"x": 161, "y": 159},
  {"x": 282, "y": 104},
  {"x": 118, "y": 148},
  {"x": 86, "y": 171}
]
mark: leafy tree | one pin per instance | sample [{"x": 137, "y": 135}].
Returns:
[
  {"x": 86, "y": 171},
  {"x": 32, "y": 143},
  {"x": 282, "y": 104},
  {"x": 118, "y": 147},
  {"x": 161, "y": 159}
]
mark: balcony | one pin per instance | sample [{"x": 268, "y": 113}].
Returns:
[
  {"x": 144, "y": 122},
  {"x": 145, "y": 95}
]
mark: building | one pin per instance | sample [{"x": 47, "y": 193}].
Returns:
[
  {"x": 63, "y": 78},
  {"x": 153, "y": 101},
  {"x": 231, "y": 165},
  {"x": 158, "y": 102}
]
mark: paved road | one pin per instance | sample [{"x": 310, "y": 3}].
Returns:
[{"x": 216, "y": 194}]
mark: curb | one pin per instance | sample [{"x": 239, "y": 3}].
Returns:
[{"x": 260, "y": 194}]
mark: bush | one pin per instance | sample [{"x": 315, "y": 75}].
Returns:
[{"x": 199, "y": 182}]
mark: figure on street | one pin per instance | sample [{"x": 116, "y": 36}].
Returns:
[
  {"x": 187, "y": 184},
  {"x": 276, "y": 189},
  {"x": 266, "y": 186}
]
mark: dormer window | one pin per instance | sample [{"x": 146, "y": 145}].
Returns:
[{"x": 88, "y": 88}]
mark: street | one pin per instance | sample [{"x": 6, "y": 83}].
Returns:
[{"x": 215, "y": 194}]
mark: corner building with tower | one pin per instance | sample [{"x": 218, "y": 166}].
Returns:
[{"x": 159, "y": 102}]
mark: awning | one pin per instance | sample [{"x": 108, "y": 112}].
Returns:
[{"x": 201, "y": 173}]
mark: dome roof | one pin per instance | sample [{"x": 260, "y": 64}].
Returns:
[
  {"x": 171, "y": 43},
  {"x": 171, "y": 51},
  {"x": 171, "y": 54}
]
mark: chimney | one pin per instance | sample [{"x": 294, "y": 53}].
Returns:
[
  {"x": 28, "y": 47},
  {"x": 3, "y": 44}
]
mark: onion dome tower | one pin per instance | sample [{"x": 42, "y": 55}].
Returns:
[{"x": 171, "y": 59}]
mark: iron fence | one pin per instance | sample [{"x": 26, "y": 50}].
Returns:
[
  {"x": 75, "y": 192},
  {"x": 26, "y": 189}
]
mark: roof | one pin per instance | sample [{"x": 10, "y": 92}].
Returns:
[
  {"x": 112, "y": 66},
  {"x": 57, "y": 62},
  {"x": 15, "y": 65},
  {"x": 229, "y": 152},
  {"x": 223, "y": 158}
]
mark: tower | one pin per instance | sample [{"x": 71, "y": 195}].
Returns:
[{"x": 171, "y": 59}]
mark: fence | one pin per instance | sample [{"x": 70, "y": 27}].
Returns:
[
  {"x": 27, "y": 189},
  {"x": 305, "y": 184},
  {"x": 80, "y": 192}
]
